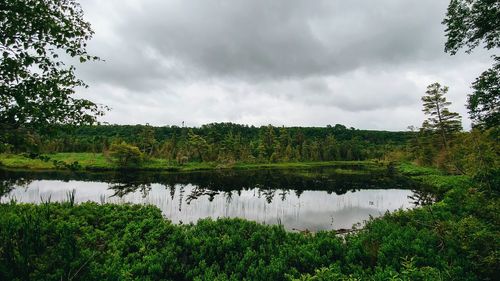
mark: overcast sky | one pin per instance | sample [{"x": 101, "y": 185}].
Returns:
[{"x": 363, "y": 64}]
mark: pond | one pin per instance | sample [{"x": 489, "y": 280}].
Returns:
[{"x": 312, "y": 199}]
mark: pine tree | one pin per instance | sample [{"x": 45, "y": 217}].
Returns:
[{"x": 441, "y": 120}]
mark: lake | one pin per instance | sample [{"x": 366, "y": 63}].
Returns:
[{"x": 312, "y": 199}]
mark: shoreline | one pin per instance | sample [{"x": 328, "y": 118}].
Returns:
[{"x": 89, "y": 162}]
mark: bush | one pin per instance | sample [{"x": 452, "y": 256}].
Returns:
[{"x": 126, "y": 155}]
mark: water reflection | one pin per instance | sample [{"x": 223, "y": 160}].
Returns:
[{"x": 299, "y": 199}]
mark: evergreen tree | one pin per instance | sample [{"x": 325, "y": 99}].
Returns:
[
  {"x": 441, "y": 120},
  {"x": 268, "y": 140},
  {"x": 147, "y": 140},
  {"x": 284, "y": 140}
]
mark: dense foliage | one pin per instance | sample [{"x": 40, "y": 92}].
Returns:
[
  {"x": 455, "y": 239},
  {"x": 125, "y": 155},
  {"x": 36, "y": 86},
  {"x": 484, "y": 102},
  {"x": 440, "y": 143},
  {"x": 221, "y": 142},
  {"x": 469, "y": 24}
]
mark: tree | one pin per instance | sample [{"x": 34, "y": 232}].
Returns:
[
  {"x": 147, "y": 139},
  {"x": 268, "y": 140},
  {"x": 284, "y": 140},
  {"x": 484, "y": 102},
  {"x": 36, "y": 86},
  {"x": 331, "y": 148},
  {"x": 478, "y": 153},
  {"x": 441, "y": 119},
  {"x": 125, "y": 155},
  {"x": 470, "y": 23},
  {"x": 198, "y": 144}
]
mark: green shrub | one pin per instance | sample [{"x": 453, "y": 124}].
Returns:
[{"x": 125, "y": 155}]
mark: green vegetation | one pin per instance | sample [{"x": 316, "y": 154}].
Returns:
[
  {"x": 98, "y": 161},
  {"x": 454, "y": 239},
  {"x": 224, "y": 143},
  {"x": 37, "y": 86},
  {"x": 484, "y": 103},
  {"x": 441, "y": 120},
  {"x": 469, "y": 24},
  {"x": 125, "y": 155}
]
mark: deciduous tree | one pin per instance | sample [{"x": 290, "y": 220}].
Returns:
[
  {"x": 470, "y": 23},
  {"x": 484, "y": 102},
  {"x": 36, "y": 86}
]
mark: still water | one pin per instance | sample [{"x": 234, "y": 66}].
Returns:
[{"x": 318, "y": 199}]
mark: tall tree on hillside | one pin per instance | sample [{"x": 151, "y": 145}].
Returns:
[
  {"x": 441, "y": 119},
  {"x": 470, "y": 23}
]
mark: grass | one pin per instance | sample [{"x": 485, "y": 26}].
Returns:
[
  {"x": 410, "y": 169},
  {"x": 97, "y": 161},
  {"x": 430, "y": 176}
]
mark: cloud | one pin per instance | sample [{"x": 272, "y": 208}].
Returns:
[{"x": 292, "y": 62}]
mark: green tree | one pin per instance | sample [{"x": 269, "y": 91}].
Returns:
[
  {"x": 261, "y": 150},
  {"x": 470, "y": 23},
  {"x": 441, "y": 119},
  {"x": 331, "y": 148},
  {"x": 147, "y": 139},
  {"x": 425, "y": 149},
  {"x": 477, "y": 152},
  {"x": 284, "y": 140},
  {"x": 125, "y": 155},
  {"x": 268, "y": 140},
  {"x": 36, "y": 87},
  {"x": 288, "y": 156},
  {"x": 484, "y": 102}
]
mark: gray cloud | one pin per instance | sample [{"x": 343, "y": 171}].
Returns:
[
  {"x": 281, "y": 62},
  {"x": 285, "y": 38}
]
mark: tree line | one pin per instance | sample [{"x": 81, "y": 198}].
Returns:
[{"x": 216, "y": 142}]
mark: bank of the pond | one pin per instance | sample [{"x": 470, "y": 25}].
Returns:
[
  {"x": 456, "y": 238},
  {"x": 99, "y": 162}
]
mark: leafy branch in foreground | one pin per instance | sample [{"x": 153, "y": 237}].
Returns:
[
  {"x": 484, "y": 102},
  {"x": 36, "y": 86},
  {"x": 469, "y": 24}
]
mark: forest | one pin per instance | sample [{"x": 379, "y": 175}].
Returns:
[{"x": 217, "y": 142}]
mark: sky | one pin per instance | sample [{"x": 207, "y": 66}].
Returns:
[{"x": 363, "y": 64}]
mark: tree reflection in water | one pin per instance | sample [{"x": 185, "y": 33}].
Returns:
[
  {"x": 422, "y": 197},
  {"x": 7, "y": 183},
  {"x": 302, "y": 199},
  {"x": 225, "y": 182}
]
